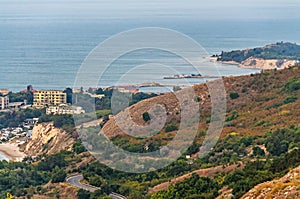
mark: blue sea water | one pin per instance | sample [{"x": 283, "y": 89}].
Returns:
[{"x": 48, "y": 51}]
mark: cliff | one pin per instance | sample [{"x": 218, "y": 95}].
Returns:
[
  {"x": 46, "y": 139},
  {"x": 267, "y": 63}
]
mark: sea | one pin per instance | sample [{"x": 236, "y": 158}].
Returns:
[{"x": 47, "y": 52}]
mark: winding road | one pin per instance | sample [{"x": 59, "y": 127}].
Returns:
[{"x": 75, "y": 181}]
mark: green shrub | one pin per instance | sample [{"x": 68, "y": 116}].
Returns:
[
  {"x": 277, "y": 143},
  {"x": 290, "y": 99},
  {"x": 146, "y": 117},
  {"x": 234, "y": 95},
  {"x": 258, "y": 152},
  {"x": 197, "y": 99},
  {"x": 83, "y": 194},
  {"x": 102, "y": 113},
  {"x": 292, "y": 85},
  {"x": 78, "y": 148},
  {"x": 59, "y": 175},
  {"x": 170, "y": 128},
  {"x": 233, "y": 116},
  {"x": 260, "y": 123}
]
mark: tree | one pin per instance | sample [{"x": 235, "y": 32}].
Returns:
[
  {"x": 290, "y": 99},
  {"x": 258, "y": 152},
  {"x": 78, "y": 148},
  {"x": 69, "y": 93},
  {"x": 146, "y": 117},
  {"x": 170, "y": 128},
  {"x": 96, "y": 180},
  {"x": 59, "y": 175},
  {"x": 83, "y": 194},
  {"x": 234, "y": 95}
]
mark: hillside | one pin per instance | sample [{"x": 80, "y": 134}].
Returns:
[
  {"x": 257, "y": 144},
  {"x": 261, "y": 104},
  {"x": 285, "y": 187},
  {"x": 46, "y": 139},
  {"x": 258, "y": 106},
  {"x": 280, "y": 55}
]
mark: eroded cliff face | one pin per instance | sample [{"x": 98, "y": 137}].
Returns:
[
  {"x": 267, "y": 63},
  {"x": 46, "y": 139},
  {"x": 285, "y": 187}
]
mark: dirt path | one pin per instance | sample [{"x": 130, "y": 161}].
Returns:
[
  {"x": 209, "y": 172},
  {"x": 91, "y": 123}
]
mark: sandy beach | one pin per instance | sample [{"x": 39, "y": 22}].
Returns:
[{"x": 11, "y": 151}]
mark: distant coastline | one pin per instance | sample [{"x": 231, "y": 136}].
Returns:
[
  {"x": 256, "y": 63},
  {"x": 274, "y": 56}
]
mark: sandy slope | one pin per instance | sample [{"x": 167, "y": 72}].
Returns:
[{"x": 11, "y": 151}]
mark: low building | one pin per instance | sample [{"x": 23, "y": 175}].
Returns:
[
  {"x": 16, "y": 105},
  {"x": 124, "y": 89},
  {"x": 77, "y": 110},
  {"x": 4, "y": 92},
  {"x": 4, "y": 102},
  {"x": 45, "y": 98},
  {"x": 64, "y": 109},
  {"x": 29, "y": 123},
  {"x": 99, "y": 96}
]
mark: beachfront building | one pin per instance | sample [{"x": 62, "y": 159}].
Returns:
[
  {"x": 49, "y": 97},
  {"x": 4, "y": 101},
  {"x": 64, "y": 109}
]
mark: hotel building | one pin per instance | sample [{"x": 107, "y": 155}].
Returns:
[
  {"x": 4, "y": 101},
  {"x": 49, "y": 97}
]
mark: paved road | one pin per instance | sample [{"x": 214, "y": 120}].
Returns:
[
  {"x": 75, "y": 181},
  {"x": 117, "y": 196}
]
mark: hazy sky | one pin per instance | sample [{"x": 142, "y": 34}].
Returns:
[{"x": 206, "y": 9}]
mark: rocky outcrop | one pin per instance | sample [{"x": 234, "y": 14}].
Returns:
[
  {"x": 46, "y": 139},
  {"x": 285, "y": 187},
  {"x": 267, "y": 63}
]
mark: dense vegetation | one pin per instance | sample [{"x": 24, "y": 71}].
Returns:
[
  {"x": 90, "y": 104},
  {"x": 23, "y": 179},
  {"x": 276, "y": 51},
  {"x": 259, "y": 167},
  {"x": 16, "y": 118},
  {"x": 195, "y": 187},
  {"x": 258, "y": 170},
  {"x": 65, "y": 122},
  {"x": 260, "y": 136},
  {"x": 21, "y": 96},
  {"x": 248, "y": 141},
  {"x": 31, "y": 177}
]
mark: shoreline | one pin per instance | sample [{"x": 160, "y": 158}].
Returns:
[
  {"x": 257, "y": 63},
  {"x": 12, "y": 152}
]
